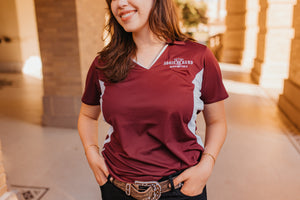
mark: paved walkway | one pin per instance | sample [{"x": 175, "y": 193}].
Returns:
[{"x": 260, "y": 159}]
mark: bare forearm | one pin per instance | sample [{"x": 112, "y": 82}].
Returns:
[
  {"x": 216, "y": 129},
  {"x": 88, "y": 125},
  {"x": 215, "y": 138},
  {"x": 88, "y": 131}
]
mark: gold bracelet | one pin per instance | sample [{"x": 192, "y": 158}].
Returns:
[{"x": 210, "y": 156}]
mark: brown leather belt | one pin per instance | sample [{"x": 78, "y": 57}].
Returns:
[{"x": 149, "y": 190}]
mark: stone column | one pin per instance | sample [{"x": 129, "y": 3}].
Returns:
[
  {"x": 274, "y": 43},
  {"x": 239, "y": 43},
  {"x": 18, "y": 23},
  {"x": 289, "y": 100},
  {"x": 70, "y": 37},
  {"x": 233, "y": 39},
  {"x": 251, "y": 31},
  {"x": 10, "y": 50}
]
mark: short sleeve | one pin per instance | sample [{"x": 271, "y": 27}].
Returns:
[
  {"x": 92, "y": 91},
  {"x": 213, "y": 89}
]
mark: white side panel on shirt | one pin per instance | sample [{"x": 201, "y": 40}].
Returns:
[{"x": 198, "y": 104}]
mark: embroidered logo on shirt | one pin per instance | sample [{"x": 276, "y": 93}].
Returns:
[{"x": 178, "y": 63}]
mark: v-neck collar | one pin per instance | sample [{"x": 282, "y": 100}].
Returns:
[{"x": 154, "y": 61}]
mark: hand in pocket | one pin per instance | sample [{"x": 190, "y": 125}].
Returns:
[{"x": 98, "y": 166}]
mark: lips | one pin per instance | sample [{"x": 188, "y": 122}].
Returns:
[{"x": 126, "y": 15}]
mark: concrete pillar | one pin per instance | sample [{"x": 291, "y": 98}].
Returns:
[
  {"x": 251, "y": 22},
  {"x": 233, "y": 39},
  {"x": 10, "y": 51},
  {"x": 289, "y": 101},
  {"x": 70, "y": 37},
  {"x": 239, "y": 41},
  {"x": 273, "y": 43},
  {"x": 17, "y": 19}
]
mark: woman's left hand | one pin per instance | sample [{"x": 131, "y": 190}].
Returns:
[{"x": 194, "y": 178}]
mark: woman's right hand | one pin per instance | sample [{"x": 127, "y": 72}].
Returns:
[{"x": 97, "y": 164}]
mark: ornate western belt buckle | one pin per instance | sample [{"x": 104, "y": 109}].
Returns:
[{"x": 155, "y": 187}]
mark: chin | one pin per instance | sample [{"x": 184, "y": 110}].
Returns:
[{"x": 130, "y": 29}]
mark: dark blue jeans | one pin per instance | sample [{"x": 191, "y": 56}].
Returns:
[{"x": 111, "y": 192}]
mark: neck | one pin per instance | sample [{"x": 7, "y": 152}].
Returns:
[{"x": 145, "y": 39}]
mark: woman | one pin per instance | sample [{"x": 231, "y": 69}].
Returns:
[{"x": 151, "y": 81}]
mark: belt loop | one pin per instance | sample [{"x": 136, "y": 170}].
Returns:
[{"x": 171, "y": 182}]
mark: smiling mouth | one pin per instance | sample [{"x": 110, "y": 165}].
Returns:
[{"x": 126, "y": 15}]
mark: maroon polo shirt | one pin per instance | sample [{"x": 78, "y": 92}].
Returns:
[{"x": 152, "y": 112}]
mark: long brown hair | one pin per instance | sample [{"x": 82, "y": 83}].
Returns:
[{"x": 117, "y": 55}]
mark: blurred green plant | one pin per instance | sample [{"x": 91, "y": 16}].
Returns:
[{"x": 192, "y": 12}]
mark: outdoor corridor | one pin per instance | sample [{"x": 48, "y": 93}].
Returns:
[{"x": 260, "y": 159}]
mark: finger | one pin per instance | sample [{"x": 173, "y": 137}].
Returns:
[
  {"x": 104, "y": 168},
  {"x": 101, "y": 181},
  {"x": 103, "y": 172},
  {"x": 179, "y": 179},
  {"x": 100, "y": 177}
]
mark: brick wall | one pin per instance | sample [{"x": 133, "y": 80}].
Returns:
[
  {"x": 3, "y": 186},
  {"x": 65, "y": 54},
  {"x": 90, "y": 21}
]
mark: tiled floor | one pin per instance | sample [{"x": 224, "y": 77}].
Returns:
[
  {"x": 29, "y": 192},
  {"x": 260, "y": 159}
]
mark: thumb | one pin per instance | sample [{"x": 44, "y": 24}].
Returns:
[{"x": 179, "y": 179}]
